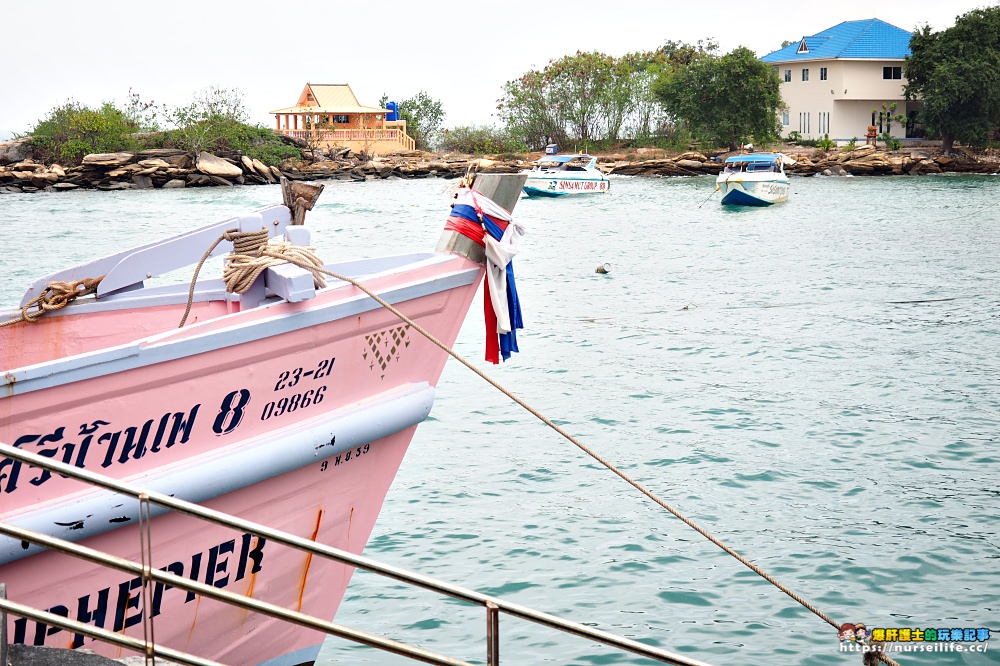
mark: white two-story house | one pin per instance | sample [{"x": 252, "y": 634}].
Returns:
[{"x": 836, "y": 82}]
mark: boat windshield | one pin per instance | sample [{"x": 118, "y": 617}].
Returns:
[
  {"x": 566, "y": 162},
  {"x": 751, "y": 167}
]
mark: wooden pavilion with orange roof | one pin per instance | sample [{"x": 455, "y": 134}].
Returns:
[{"x": 329, "y": 116}]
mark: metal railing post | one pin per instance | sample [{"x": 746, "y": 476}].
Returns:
[
  {"x": 3, "y": 627},
  {"x": 493, "y": 606},
  {"x": 492, "y": 634}
]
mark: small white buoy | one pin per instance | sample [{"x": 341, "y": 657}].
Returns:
[{"x": 603, "y": 269}]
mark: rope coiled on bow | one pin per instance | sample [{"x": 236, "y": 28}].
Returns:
[
  {"x": 244, "y": 265},
  {"x": 56, "y": 296},
  {"x": 253, "y": 252}
]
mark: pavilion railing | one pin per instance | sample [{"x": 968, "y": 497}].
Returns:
[{"x": 353, "y": 135}]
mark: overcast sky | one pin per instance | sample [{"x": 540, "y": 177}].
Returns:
[{"x": 460, "y": 53}]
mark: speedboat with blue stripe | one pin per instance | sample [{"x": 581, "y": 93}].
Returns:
[
  {"x": 754, "y": 179},
  {"x": 562, "y": 175}
]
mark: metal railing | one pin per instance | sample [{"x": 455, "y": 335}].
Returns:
[
  {"x": 356, "y": 135},
  {"x": 493, "y": 607}
]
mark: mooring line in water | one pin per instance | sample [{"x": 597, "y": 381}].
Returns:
[
  {"x": 708, "y": 197},
  {"x": 312, "y": 267},
  {"x": 881, "y": 656},
  {"x": 310, "y": 264}
]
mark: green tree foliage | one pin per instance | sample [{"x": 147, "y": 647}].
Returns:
[
  {"x": 724, "y": 100},
  {"x": 215, "y": 121},
  {"x": 144, "y": 115},
  {"x": 591, "y": 98},
  {"x": 424, "y": 116},
  {"x": 211, "y": 122},
  {"x": 956, "y": 73},
  {"x": 479, "y": 140},
  {"x": 73, "y": 130},
  {"x": 531, "y": 111}
]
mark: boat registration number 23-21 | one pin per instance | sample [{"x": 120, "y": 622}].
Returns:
[{"x": 290, "y": 378}]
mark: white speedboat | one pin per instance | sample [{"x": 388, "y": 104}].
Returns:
[
  {"x": 754, "y": 179},
  {"x": 562, "y": 175}
]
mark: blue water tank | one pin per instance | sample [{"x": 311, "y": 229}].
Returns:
[{"x": 393, "y": 111}]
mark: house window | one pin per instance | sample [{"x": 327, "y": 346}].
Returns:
[
  {"x": 822, "y": 73},
  {"x": 343, "y": 120},
  {"x": 805, "y": 74},
  {"x": 824, "y": 122},
  {"x": 892, "y": 72},
  {"x": 804, "y": 123},
  {"x": 788, "y": 75},
  {"x": 786, "y": 119}
]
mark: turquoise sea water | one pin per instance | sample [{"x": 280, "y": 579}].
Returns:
[{"x": 816, "y": 383}]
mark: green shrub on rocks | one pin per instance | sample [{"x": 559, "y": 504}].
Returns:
[
  {"x": 263, "y": 144},
  {"x": 73, "y": 130},
  {"x": 215, "y": 122},
  {"x": 479, "y": 140}
]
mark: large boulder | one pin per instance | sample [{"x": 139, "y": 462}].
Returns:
[
  {"x": 925, "y": 166},
  {"x": 210, "y": 165},
  {"x": 691, "y": 164},
  {"x": 860, "y": 151},
  {"x": 173, "y": 156},
  {"x": 17, "y": 150},
  {"x": 691, "y": 155},
  {"x": 108, "y": 159},
  {"x": 154, "y": 163},
  {"x": 263, "y": 170},
  {"x": 835, "y": 170}
]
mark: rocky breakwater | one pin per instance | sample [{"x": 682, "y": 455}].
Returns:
[
  {"x": 172, "y": 168},
  {"x": 160, "y": 168},
  {"x": 686, "y": 164},
  {"x": 862, "y": 161},
  {"x": 346, "y": 165},
  {"x": 867, "y": 161}
]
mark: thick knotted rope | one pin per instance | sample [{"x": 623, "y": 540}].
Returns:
[
  {"x": 56, "y": 296},
  {"x": 253, "y": 252},
  {"x": 243, "y": 268}
]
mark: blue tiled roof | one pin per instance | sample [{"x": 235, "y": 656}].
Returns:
[{"x": 869, "y": 38}]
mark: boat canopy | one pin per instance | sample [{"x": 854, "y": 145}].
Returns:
[
  {"x": 757, "y": 162},
  {"x": 755, "y": 158},
  {"x": 563, "y": 159}
]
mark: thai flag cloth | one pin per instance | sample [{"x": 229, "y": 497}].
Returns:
[{"x": 481, "y": 219}]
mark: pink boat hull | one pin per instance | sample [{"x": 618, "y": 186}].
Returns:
[
  {"x": 337, "y": 506},
  {"x": 293, "y": 415}
]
